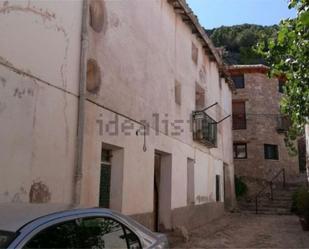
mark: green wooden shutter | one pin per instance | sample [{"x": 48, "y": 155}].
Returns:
[{"x": 105, "y": 182}]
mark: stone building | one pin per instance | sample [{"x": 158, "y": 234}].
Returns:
[
  {"x": 118, "y": 104},
  {"x": 258, "y": 127}
]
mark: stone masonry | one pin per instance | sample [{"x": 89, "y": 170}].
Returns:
[{"x": 262, "y": 97}]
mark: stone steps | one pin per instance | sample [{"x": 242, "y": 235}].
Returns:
[
  {"x": 282, "y": 199},
  {"x": 268, "y": 212},
  {"x": 280, "y": 205},
  {"x": 268, "y": 205}
]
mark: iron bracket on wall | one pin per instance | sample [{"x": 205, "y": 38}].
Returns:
[{"x": 208, "y": 107}]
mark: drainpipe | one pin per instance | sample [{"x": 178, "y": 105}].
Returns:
[{"x": 77, "y": 184}]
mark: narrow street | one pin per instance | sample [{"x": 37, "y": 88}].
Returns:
[{"x": 246, "y": 231}]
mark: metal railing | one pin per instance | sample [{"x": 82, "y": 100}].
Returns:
[{"x": 271, "y": 186}]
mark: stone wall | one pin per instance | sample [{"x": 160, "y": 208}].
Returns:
[{"x": 262, "y": 98}]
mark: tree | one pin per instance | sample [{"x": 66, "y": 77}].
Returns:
[
  {"x": 239, "y": 42},
  {"x": 288, "y": 54}
]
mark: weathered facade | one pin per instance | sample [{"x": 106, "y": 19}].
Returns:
[
  {"x": 258, "y": 127},
  {"x": 126, "y": 139}
]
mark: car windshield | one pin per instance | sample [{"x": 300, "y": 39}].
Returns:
[{"x": 5, "y": 238}]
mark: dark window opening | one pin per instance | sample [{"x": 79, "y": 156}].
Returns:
[
  {"x": 271, "y": 151},
  {"x": 240, "y": 150},
  {"x": 281, "y": 85},
  {"x": 177, "y": 93},
  {"x": 239, "y": 81},
  {"x": 239, "y": 115}
]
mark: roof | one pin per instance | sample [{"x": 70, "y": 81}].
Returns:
[
  {"x": 15, "y": 215},
  {"x": 257, "y": 68},
  {"x": 188, "y": 16}
]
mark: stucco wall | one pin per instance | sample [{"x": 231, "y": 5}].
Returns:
[
  {"x": 142, "y": 50},
  {"x": 39, "y": 64}
]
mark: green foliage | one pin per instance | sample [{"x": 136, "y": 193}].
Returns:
[
  {"x": 301, "y": 203},
  {"x": 241, "y": 188},
  {"x": 240, "y": 40},
  {"x": 288, "y": 53}
]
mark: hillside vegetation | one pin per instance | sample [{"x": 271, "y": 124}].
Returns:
[{"x": 239, "y": 41}]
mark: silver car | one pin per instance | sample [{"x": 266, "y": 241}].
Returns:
[{"x": 58, "y": 226}]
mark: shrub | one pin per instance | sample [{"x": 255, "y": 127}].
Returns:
[
  {"x": 301, "y": 203},
  {"x": 241, "y": 188}
]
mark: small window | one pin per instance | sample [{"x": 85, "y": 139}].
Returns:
[
  {"x": 240, "y": 150},
  {"x": 281, "y": 85},
  {"x": 177, "y": 93},
  {"x": 271, "y": 151},
  {"x": 239, "y": 81},
  {"x": 194, "y": 53},
  {"x": 239, "y": 115},
  {"x": 218, "y": 197},
  {"x": 199, "y": 97}
]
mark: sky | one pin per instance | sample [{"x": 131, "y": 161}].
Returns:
[{"x": 215, "y": 13}]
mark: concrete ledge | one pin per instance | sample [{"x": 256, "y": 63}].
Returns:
[
  {"x": 196, "y": 215},
  {"x": 146, "y": 219}
]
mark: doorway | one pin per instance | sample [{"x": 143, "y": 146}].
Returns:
[
  {"x": 105, "y": 178},
  {"x": 111, "y": 177},
  {"x": 162, "y": 191},
  {"x": 156, "y": 187}
]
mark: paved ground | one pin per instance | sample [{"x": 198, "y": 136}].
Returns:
[{"x": 246, "y": 231}]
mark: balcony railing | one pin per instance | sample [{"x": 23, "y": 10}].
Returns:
[{"x": 204, "y": 129}]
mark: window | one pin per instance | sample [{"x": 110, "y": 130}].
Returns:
[
  {"x": 271, "y": 151},
  {"x": 96, "y": 232},
  {"x": 283, "y": 123},
  {"x": 204, "y": 129},
  {"x": 199, "y": 97},
  {"x": 63, "y": 235},
  {"x": 239, "y": 115},
  {"x": 240, "y": 150},
  {"x": 101, "y": 233},
  {"x": 6, "y": 238},
  {"x": 281, "y": 85},
  {"x": 239, "y": 81},
  {"x": 132, "y": 240},
  {"x": 105, "y": 178},
  {"x": 177, "y": 93},
  {"x": 194, "y": 53},
  {"x": 218, "y": 188}
]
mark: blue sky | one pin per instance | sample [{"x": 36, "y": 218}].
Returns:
[{"x": 215, "y": 13}]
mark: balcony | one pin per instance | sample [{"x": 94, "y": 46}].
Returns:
[
  {"x": 204, "y": 129},
  {"x": 283, "y": 123}
]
